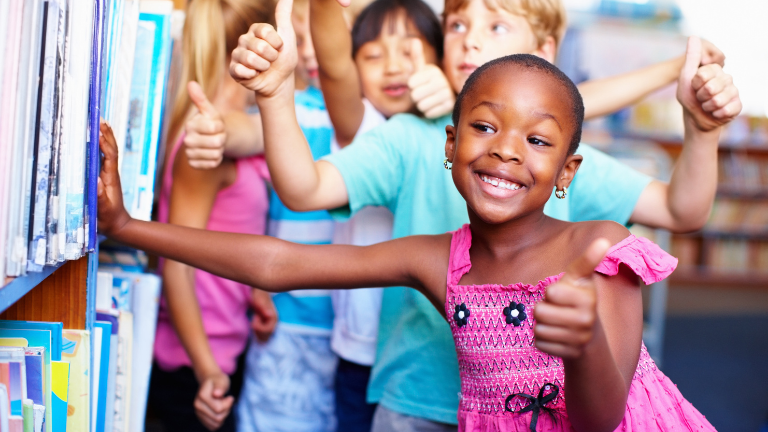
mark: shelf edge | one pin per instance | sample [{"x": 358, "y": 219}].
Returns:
[{"x": 20, "y": 286}]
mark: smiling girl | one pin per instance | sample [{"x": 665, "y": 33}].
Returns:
[{"x": 546, "y": 315}]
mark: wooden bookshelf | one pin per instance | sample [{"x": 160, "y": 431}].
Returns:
[{"x": 59, "y": 296}]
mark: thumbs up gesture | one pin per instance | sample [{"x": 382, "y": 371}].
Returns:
[
  {"x": 430, "y": 89},
  {"x": 566, "y": 318},
  {"x": 706, "y": 93},
  {"x": 265, "y": 57},
  {"x": 205, "y": 134}
]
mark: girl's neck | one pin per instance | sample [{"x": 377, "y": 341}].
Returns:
[{"x": 501, "y": 240}]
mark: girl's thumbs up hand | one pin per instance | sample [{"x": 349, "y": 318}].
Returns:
[
  {"x": 706, "y": 92},
  {"x": 204, "y": 133},
  {"x": 566, "y": 318},
  {"x": 265, "y": 57},
  {"x": 430, "y": 89}
]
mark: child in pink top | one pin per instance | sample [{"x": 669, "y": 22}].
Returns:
[
  {"x": 203, "y": 324},
  {"x": 559, "y": 350}
]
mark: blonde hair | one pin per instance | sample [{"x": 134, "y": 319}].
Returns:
[
  {"x": 211, "y": 31},
  {"x": 547, "y": 18}
]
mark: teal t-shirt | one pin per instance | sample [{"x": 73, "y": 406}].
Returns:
[{"x": 400, "y": 165}]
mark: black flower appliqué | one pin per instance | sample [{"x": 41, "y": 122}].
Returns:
[
  {"x": 515, "y": 313},
  {"x": 461, "y": 315}
]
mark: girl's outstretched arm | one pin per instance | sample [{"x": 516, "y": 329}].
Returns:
[
  {"x": 338, "y": 72},
  {"x": 268, "y": 263},
  {"x": 594, "y": 323}
]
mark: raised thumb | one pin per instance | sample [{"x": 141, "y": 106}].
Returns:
[
  {"x": 584, "y": 266},
  {"x": 283, "y": 11},
  {"x": 692, "y": 62},
  {"x": 200, "y": 100},
  {"x": 417, "y": 54}
]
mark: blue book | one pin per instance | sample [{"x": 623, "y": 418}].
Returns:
[
  {"x": 109, "y": 405},
  {"x": 34, "y": 361},
  {"x": 93, "y": 153},
  {"x": 103, "y": 344},
  {"x": 54, "y": 327}
]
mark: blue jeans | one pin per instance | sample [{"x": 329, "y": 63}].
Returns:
[{"x": 353, "y": 413}]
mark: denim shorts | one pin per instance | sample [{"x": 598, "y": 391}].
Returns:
[{"x": 288, "y": 384}]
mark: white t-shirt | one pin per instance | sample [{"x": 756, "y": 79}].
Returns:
[{"x": 356, "y": 312}]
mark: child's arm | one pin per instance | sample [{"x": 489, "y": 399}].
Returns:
[
  {"x": 211, "y": 134},
  {"x": 269, "y": 263},
  {"x": 709, "y": 100},
  {"x": 264, "y": 62},
  {"x": 594, "y": 323},
  {"x": 608, "y": 95},
  {"x": 338, "y": 72},
  {"x": 192, "y": 198}
]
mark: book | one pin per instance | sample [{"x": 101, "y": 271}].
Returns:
[
  {"x": 109, "y": 401},
  {"x": 39, "y": 417},
  {"x": 60, "y": 391},
  {"x": 92, "y": 152},
  {"x": 5, "y": 411},
  {"x": 101, "y": 362},
  {"x": 12, "y": 37},
  {"x": 28, "y": 416},
  {"x": 41, "y": 339},
  {"x": 144, "y": 302},
  {"x": 44, "y": 136},
  {"x": 78, "y": 353},
  {"x": 77, "y": 126},
  {"x": 17, "y": 385},
  {"x": 23, "y": 161},
  {"x": 123, "y": 377},
  {"x": 34, "y": 359}
]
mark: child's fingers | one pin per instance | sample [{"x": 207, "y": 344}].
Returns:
[
  {"x": 729, "y": 111},
  {"x": 200, "y": 100},
  {"x": 264, "y": 32},
  {"x": 239, "y": 71},
  {"x": 417, "y": 54},
  {"x": 692, "y": 61},
  {"x": 704, "y": 75},
  {"x": 721, "y": 99},
  {"x": 261, "y": 48},
  {"x": 714, "y": 86},
  {"x": 434, "y": 100},
  {"x": 561, "y": 335},
  {"x": 283, "y": 12},
  {"x": 445, "y": 107},
  {"x": 584, "y": 266},
  {"x": 557, "y": 350},
  {"x": 550, "y": 314}
]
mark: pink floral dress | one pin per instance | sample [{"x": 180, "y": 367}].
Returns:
[{"x": 509, "y": 385}]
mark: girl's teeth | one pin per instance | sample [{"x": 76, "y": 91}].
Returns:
[{"x": 500, "y": 184}]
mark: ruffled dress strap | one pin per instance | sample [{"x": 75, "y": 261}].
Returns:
[
  {"x": 458, "y": 262},
  {"x": 643, "y": 256}
]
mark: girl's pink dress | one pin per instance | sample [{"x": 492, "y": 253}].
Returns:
[
  {"x": 240, "y": 208},
  {"x": 492, "y": 328}
]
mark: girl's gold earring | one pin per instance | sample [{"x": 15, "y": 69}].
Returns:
[
  {"x": 560, "y": 194},
  {"x": 445, "y": 164}
]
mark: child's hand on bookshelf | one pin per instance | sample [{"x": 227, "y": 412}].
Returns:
[
  {"x": 707, "y": 93},
  {"x": 111, "y": 211},
  {"x": 211, "y": 405},
  {"x": 265, "y": 57},
  {"x": 566, "y": 318},
  {"x": 204, "y": 133}
]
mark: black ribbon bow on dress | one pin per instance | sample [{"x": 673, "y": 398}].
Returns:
[{"x": 537, "y": 403}]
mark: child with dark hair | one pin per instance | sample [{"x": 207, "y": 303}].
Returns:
[
  {"x": 546, "y": 315},
  {"x": 365, "y": 78}
]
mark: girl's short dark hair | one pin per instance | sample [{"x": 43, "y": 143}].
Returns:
[
  {"x": 538, "y": 64},
  {"x": 369, "y": 24}
]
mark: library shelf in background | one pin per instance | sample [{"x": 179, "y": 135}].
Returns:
[{"x": 64, "y": 65}]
